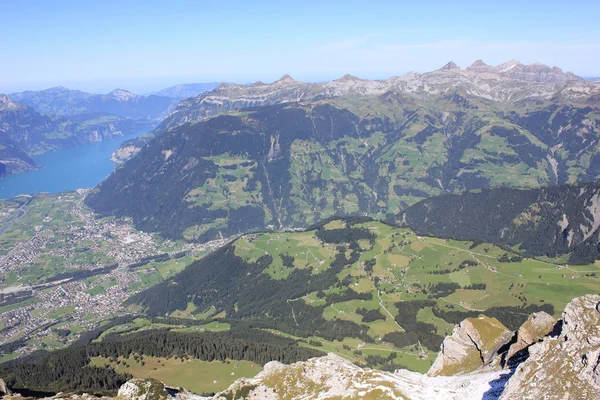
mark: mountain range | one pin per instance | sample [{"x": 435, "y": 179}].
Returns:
[
  {"x": 508, "y": 82},
  {"x": 25, "y": 132},
  {"x": 185, "y": 90},
  {"x": 64, "y": 102},
  {"x": 353, "y": 146}
]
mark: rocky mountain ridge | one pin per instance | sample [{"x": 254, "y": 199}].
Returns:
[
  {"x": 509, "y": 82},
  {"x": 185, "y": 90},
  {"x": 563, "y": 363},
  {"x": 25, "y": 132},
  {"x": 122, "y": 103}
]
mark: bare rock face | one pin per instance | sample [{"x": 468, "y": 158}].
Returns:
[
  {"x": 142, "y": 389},
  {"x": 332, "y": 377},
  {"x": 124, "y": 153},
  {"x": 567, "y": 366},
  {"x": 537, "y": 326},
  {"x": 473, "y": 344},
  {"x": 3, "y": 389},
  {"x": 449, "y": 66}
]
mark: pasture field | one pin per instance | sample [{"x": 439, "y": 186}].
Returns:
[
  {"x": 407, "y": 267},
  {"x": 195, "y": 375}
]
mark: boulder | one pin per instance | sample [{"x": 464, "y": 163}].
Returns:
[
  {"x": 142, "y": 389},
  {"x": 537, "y": 326},
  {"x": 473, "y": 344}
]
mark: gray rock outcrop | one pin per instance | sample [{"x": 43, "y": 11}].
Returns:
[
  {"x": 473, "y": 344},
  {"x": 3, "y": 388},
  {"x": 566, "y": 366},
  {"x": 537, "y": 326}
]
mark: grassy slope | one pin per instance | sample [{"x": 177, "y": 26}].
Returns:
[
  {"x": 405, "y": 265},
  {"x": 194, "y": 375}
]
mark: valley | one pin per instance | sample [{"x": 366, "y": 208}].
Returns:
[
  {"x": 375, "y": 294},
  {"x": 63, "y": 272},
  {"x": 367, "y": 222},
  {"x": 310, "y": 200}
]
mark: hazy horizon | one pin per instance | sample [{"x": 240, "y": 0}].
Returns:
[{"x": 146, "y": 46}]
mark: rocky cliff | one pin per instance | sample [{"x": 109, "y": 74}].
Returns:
[{"x": 566, "y": 366}]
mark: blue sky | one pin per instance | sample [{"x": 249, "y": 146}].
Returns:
[{"x": 146, "y": 45}]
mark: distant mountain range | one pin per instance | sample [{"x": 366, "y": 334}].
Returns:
[
  {"x": 25, "y": 132},
  {"x": 354, "y": 146},
  {"x": 65, "y": 102},
  {"x": 37, "y": 121},
  {"x": 186, "y": 90},
  {"x": 508, "y": 82}
]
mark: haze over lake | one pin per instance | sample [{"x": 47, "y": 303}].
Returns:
[{"x": 64, "y": 170}]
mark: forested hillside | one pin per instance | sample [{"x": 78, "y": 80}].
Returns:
[
  {"x": 540, "y": 222},
  {"x": 70, "y": 369},
  {"x": 292, "y": 165},
  {"x": 357, "y": 283}
]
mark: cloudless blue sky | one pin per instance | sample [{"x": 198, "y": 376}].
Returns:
[{"x": 146, "y": 45}]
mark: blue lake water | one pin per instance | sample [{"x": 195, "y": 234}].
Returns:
[{"x": 65, "y": 170}]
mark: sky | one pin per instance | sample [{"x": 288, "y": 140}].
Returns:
[{"x": 146, "y": 45}]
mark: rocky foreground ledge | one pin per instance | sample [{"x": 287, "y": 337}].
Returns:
[{"x": 544, "y": 359}]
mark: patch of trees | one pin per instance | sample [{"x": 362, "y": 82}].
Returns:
[
  {"x": 369, "y": 264},
  {"x": 81, "y": 274},
  {"x": 508, "y": 258},
  {"x": 442, "y": 271},
  {"x": 288, "y": 261},
  {"x": 13, "y": 346},
  {"x": 467, "y": 263},
  {"x": 156, "y": 258},
  {"x": 441, "y": 289},
  {"x": 415, "y": 331},
  {"x": 344, "y": 235},
  {"x": 383, "y": 363},
  {"x": 370, "y": 315},
  {"x": 476, "y": 286},
  {"x": 348, "y": 295}
]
